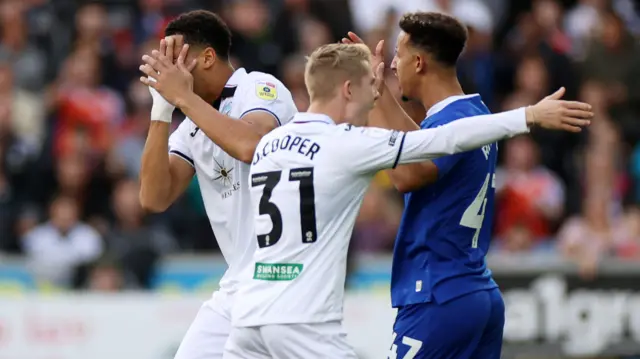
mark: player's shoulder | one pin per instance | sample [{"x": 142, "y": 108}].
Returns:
[
  {"x": 357, "y": 132},
  {"x": 264, "y": 82},
  {"x": 185, "y": 126},
  {"x": 466, "y": 106},
  {"x": 277, "y": 132}
]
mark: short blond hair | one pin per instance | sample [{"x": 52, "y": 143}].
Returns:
[{"x": 331, "y": 65}]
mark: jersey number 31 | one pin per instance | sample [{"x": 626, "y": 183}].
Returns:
[
  {"x": 473, "y": 216},
  {"x": 307, "y": 204}
]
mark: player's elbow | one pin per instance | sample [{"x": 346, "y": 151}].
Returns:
[
  {"x": 246, "y": 154},
  {"x": 413, "y": 178},
  {"x": 408, "y": 185},
  {"x": 152, "y": 204}
]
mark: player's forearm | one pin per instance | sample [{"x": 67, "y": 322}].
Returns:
[
  {"x": 155, "y": 173},
  {"x": 411, "y": 177},
  {"x": 462, "y": 135},
  {"x": 237, "y": 138},
  {"x": 389, "y": 114}
]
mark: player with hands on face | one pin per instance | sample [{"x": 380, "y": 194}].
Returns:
[{"x": 228, "y": 111}]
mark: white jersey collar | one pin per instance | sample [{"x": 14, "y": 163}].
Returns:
[
  {"x": 236, "y": 78},
  {"x": 307, "y": 117},
  {"x": 446, "y": 102}
]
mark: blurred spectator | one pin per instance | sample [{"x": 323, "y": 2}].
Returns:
[
  {"x": 133, "y": 244},
  {"x": 293, "y": 78},
  {"x": 531, "y": 83},
  {"x": 28, "y": 61},
  {"x": 56, "y": 248},
  {"x": 597, "y": 235},
  {"x": 133, "y": 134},
  {"x": 253, "y": 43},
  {"x": 86, "y": 108},
  {"x": 612, "y": 60},
  {"x": 151, "y": 20},
  {"x": 529, "y": 197},
  {"x": 16, "y": 158},
  {"x": 105, "y": 276},
  {"x": 26, "y": 109},
  {"x": 377, "y": 222},
  {"x": 477, "y": 65}
]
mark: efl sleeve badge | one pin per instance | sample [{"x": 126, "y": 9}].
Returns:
[{"x": 266, "y": 90}]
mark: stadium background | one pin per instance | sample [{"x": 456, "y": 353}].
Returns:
[{"x": 73, "y": 120}]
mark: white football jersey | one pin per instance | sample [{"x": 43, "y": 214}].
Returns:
[
  {"x": 308, "y": 179},
  {"x": 223, "y": 179}
]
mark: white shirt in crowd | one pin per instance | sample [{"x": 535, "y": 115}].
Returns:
[{"x": 54, "y": 255}]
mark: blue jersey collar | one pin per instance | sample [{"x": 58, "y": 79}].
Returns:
[{"x": 446, "y": 102}]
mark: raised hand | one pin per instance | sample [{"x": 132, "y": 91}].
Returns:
[
  {"x": 173, "y": 46},
  {"x": 172, "y": 81},
  {"x": 378, "y": 57},
  {"x": 378, "y": 52},
  {"x": 552, "y": 113}
]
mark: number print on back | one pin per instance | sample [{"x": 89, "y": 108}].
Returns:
[{"x": 309, "y": 232}]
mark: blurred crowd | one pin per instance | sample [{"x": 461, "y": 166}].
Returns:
[{"x": 73, "y": 121}]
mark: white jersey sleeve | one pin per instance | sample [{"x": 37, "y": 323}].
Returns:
[
  {"x": 374, "y": 149},
  {"x": 265, "y": 93},
  {"x": 180, "y": 139}
]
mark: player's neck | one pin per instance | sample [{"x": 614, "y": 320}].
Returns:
[
  {"x": 439, "y": 87},
  {"x": 328, "y": 109},
  {"x": 223, "y": 74}
]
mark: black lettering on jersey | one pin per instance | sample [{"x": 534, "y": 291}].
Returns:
[
  {"x": 195, "y": 131},
  {"x": 348, "y": 127},
  {"x": 394, "y": 137},
  {"x": 303, "y": 146},
  {"x": 285, "y": 142},
  {"x": 296, "y": 141}
]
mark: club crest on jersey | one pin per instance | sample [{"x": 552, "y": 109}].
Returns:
[
  {"x": 266, "y": 90},
  {"x": 224, "y": 176},
  {"x": 223, "y": 173},
  {"x": 226, "y": 108}
]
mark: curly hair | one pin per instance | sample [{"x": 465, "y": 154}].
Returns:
[
  {"x": 204, "y": 28},
  {"x": 437, "y": 34}
]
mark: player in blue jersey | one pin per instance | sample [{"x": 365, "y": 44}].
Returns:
[{"x": 448, "y": 304}]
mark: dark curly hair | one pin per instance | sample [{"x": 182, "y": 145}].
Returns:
[
  {"x": 437, "y": 34},
  {"x": 204, "y": 28}
]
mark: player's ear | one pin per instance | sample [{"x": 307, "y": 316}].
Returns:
[
  {"x": 347, "y": 88},
  {"x": 208, "y": 58},
  {"x": 420, "y": 63}
]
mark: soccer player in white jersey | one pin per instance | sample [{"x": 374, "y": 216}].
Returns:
[
  {"x": 308, "y": 179},
  {"x": 228, "y": 111}
]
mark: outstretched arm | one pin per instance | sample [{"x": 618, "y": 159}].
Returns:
[{"x": 374, "y": 149}]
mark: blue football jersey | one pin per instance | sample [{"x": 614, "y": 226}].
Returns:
[{"x": 444, "y": 236}]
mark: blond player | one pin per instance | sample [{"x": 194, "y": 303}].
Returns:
[{"x": 308, "y": 179}]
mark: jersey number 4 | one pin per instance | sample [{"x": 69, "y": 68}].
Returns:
[
  {"x": 473, "y": 216},
  {"x": 307, "y": 204}
]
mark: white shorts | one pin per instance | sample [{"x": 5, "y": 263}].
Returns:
[
  {"x": 289, "y": 341},
  {"x": 209, "y": 331}
]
